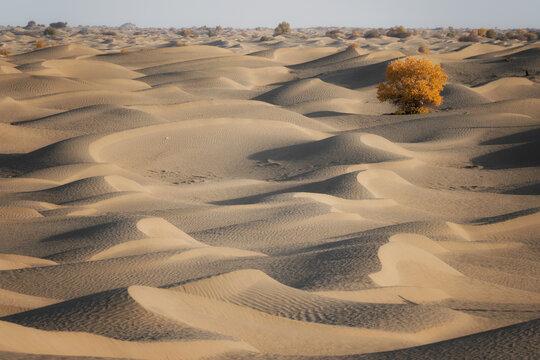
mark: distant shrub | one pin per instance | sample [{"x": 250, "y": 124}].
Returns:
[
  {"x": 468, "y": 38},
  {"x": 212, "y": 32},
  {"x": 5, "y": 52},
  {"x": 53, "y": 44},
  {"x": 109, "y": 33},
  {"x": 516, "y": 35},
  {"x": 355, "y": 34},
  {"x": 474, "y": 32},
  {"x": 491, "y": 34},
  {"x": 30, "y": 24},
  {"x": 437, "y": 36},
  {"x": 531, "y": 36},
  {"x": 482, "y": 32},
  {"x": 40, "y": 44},
  {"x": 501, "y": 37},
  {"x": 58, "y": 25},
  {"x": 124, "y": 51},
  {"x": 137, "y": 33},
  {"x": 424, "y": 49},
  {"x": 180, "y": 44},
  {"x": 50, "y": 31},
  {"x": 265, "y": 38},
  {"x": 353, "y": 46},
  {"x": 185, "y": 32},
  {"x": 333, "y": 34},
  {"x": 283, "y": 28},
  {"x": 412, "y": 84},
  {"x": 451, "y": 34},
  {"x": 398, "y": 32},
  {"x": 372, "y": 34}
]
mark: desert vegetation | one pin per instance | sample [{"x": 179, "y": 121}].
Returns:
[
  {"x": 398, "y": 32},
  {"x": 423, "y": 49},
  {"x": 374, "y": 33},
  {"x": 468, "y": 38},
  {"x": 58, "y": 25},
  {"x": 283, "y": 28},
  {"x": 413, "y": 85},
  {"x": 50, "y": 31},
  {"x": 355, "y": 34},
  {"x": 185, "y": 33},
  {"x": 40, "y": 44},
  {"x": 334, "y": 34},
  {"x": 5, "y": 52}
]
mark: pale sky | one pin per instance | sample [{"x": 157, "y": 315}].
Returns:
[{"x": 253, "y": 13}]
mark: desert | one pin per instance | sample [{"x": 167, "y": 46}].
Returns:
[{"x": 222, "y": 193}]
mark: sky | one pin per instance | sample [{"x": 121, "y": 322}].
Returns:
[{"x": 500, "y": 14}]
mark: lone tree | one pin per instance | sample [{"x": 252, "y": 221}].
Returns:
[
  {"x": 412, "y": 84},
  {"x": 283, "y": 28}
]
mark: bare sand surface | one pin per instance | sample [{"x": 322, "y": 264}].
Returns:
[{"x": 235, "y": 199}]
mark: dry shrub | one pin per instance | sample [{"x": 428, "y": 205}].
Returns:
[
  {"x": 516, "y": 35},
  {"x": 40, "y": 44},
  {"x": 424, "y": 49},
  {"x": 53, "y": 44},
  {"x": 109, "y": 33},
  {"x": 468, "y": 38},
  {"x": 137, "y": 33},
  {"x": 212, "y": 32},
  {"x": 398, "y": 32},
  {"x": 437, "y": 36},
  {"x": 180, "y": 44},
  {"x": 482, "y": 32},
  {"x": 265, "y": 38},
  {"x": 58, "y": 25},
  {"x": 355, "y": 34},
  {"x": 531, "y": 36},
  {"x": 333, "y": 34},
  {"x": 50, "y": 31},
  {"x": 185, "y": 32},
  {"x": 491, "y": 34},
  {"x": 353, "y": 47},
  {"x": 283, "y": 28},
  {"x": 124, "y": 51},
  {"x": 5, "y": 52},
  {"x": 374, "y": 33},
  {"x": 413, "y": 84}
]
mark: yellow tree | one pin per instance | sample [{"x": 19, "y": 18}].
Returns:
[{"x": 413, "y": 84}]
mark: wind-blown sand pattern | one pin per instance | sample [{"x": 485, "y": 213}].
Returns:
[{"x": 237, "y": 199}]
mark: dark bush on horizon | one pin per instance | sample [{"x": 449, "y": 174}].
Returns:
[
  {"x": 58, "y": 25},
  {"x": 372, "y": 34}
]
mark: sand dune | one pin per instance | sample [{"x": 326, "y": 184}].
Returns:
[{"x": 236, "y": 198}]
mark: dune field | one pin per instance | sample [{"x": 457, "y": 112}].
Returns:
[{"x": 244, "y": 199}]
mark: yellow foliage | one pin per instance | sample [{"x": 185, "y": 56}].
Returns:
[
  {"x": 5, "y": 52},
  {"x": 413, "y": 84},
  {"x": 124, "y": 51},
  {"x": 482, "y": 32},
  {"x": 40, "y": 44}
]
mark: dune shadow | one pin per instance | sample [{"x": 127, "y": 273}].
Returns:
[{"x": 526, "y": 155}]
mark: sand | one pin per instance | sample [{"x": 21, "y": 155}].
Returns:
[{"x": 237, "y": 199}]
